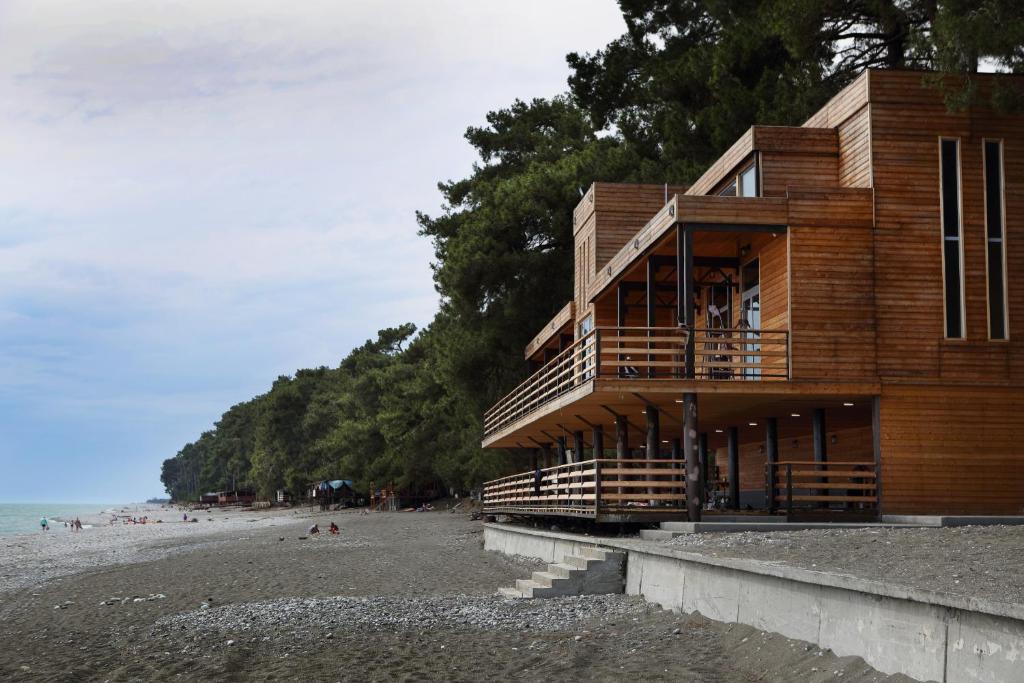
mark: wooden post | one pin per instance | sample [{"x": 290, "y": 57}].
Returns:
[
  {"x": 562, "y": 457},
  {"x": 597, "y": 487},
  {"x": 598, "y": 438},
  {"x": 653, "y": 441},
  {"x": 534, "y": 459},
  {"x": 771, "y": 452},
  {"x": 577, "y": 446},
  {"x": 818, "y": 439},
  {"x": 876, "y": 448},
  {"x": 705, "y": 465},
  {"x": 651, "y": 299},
  {"x": 546, "y": 451},
  {"x": 676, "y": 455},
  {"x": 734, "y": 467},
  {"x": 621, "y": 444},
  {"x": 684, "y": 294},
  {"x": 620, "y": 322},
  {"x": 693, "y": 494}
]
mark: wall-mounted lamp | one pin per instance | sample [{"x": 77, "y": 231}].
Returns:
[{"x": 834, "y": 439}]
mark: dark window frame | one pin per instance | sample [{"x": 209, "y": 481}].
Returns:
[
  {"x": 995, "y": 238},
  {"x": 952, "y": 244}
]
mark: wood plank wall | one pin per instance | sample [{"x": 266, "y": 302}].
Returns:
[
  {"x": 907, "y": 119},
  {"x": 621, "y": 210},
  {"x": 952, "y": 450}
]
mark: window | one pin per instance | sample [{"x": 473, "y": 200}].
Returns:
[
  {"x": 952, "y": 248},
  {"x": 729, "y": 190},
  {"x": 585, "y": 327},
  {"x": 748, "y": 181},
  {"x": 995, "y": 234}
]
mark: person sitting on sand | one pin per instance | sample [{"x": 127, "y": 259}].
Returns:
[
  {"x": 314, "y": 530},
  {"x": 334, "y": 528}
]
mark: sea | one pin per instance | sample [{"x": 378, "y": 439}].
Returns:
[{"x": 20, "y": 518}]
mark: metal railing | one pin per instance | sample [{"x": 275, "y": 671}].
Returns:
[
  {"x": 643, "y": 353},
  {"x": 590, "y": 487}
]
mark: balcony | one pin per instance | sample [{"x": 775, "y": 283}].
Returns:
[{"x": 647, "y": 354}]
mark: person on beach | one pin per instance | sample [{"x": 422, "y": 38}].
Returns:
[
  {"x": 313, "y": 530},
  {"x": 44, "y": 524},
  {"x": 334, "y": 528},
  {"x": 78, "y": 524},
  {"x": 184, "y": 517}
]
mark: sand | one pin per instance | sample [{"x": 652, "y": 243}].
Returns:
[{"x": 397, "y": 596}]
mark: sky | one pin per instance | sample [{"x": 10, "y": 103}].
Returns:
[{"x": 197, "y": 197}]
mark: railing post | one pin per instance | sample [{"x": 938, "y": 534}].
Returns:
[
  {"x": 597, "y": 487},
  {"x": 597, "y": 352},
  {"x": 789, "y": 491}
]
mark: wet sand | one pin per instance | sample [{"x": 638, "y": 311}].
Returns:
[{"x": 396, "y": 596}]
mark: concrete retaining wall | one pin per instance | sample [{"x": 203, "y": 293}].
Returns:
[{"x": 921, "y": 634}]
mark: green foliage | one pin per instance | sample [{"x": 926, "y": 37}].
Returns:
[{"x": 657, "y": 105}]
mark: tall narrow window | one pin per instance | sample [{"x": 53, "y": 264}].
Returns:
[
  {"x": 748, "y": 181},
  {"x": 995, "y": 233},
  {"x": 952, "y": 253}
]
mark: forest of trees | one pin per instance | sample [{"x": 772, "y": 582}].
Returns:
[{"x": 658, "y": 104}]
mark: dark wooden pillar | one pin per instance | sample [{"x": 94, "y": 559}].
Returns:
[
  {"x": 684, "y": 292},
  {"x": 621, "y": 444},
  {"x": 734, "y": 467},
  {"x": 771, "y": 453},
  {"x": 577, "y": 446},
  {"x": 705, "y": 465},
  {"x": 535, "y": 459},
  {"x": 819, "y": 440},
  {"x": 598, "y": 438},
  {"x": 562, "y": 457},
  {"x": 545, "y": 450},
  {"x": 690, "y": 456},
  {"x": 653, "y": 440},
  {"x": 651, "y": 300},
  {"x": 876, "y": 446}
]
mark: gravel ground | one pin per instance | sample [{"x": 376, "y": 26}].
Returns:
[
  {"x": 973, "y": 561},
  {"x": 395, "y": 597}
]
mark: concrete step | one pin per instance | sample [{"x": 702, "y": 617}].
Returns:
[
  {"x": 577, "y": 562},
  {"x": 546, "y": 579},
  {"x": 600, "y": 554},
  {"x": 563, "y": 571},
  {"x": 510, "y": 593},
  {"x": 593, "y": 572}
]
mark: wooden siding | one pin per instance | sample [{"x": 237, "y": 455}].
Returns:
[
  {"x": 832, "y": 317},
  {"x": 620, "y": 210},
  {"x": 726, "y": 163},
  {"x": 774, "y": 281},
  {"x": 844, "y": 105},
  {"x": 908, "y": 119},
  {"x": 855, "y": 149},
  {"x": 952, "y": 450}
]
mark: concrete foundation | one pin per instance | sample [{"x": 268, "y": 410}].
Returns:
[{"x": 921, "y": 634}]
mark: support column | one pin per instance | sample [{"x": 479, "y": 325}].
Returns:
[
  {"x": 545, "y": 450},
  {"x": 653, "y": 441},
  {"x": 577, "y": 446},
  {"x": 771, "y": 452},
  {"x": 734, "y": 467},
  {"x": 620, "y": 322},
  {"x": 705, "y": 465},
  {"x": 598, "y": 438},
  {"x": 819, "y": 441},
  {"x": 621, "y": 444},
  {"x": 876, "y": 447},
  {"x": 562, "y": 457},
  {"x": 651, "y": 300},
  {"x": 693, "y": 493},
  {"x": 534, "y": 459},
  {"x": 685, "y": 292}
]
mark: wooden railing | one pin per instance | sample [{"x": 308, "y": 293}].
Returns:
[
  {"x": 589, "y": 488},
  {"x": 821, "y": 484},
  {"x": 647, "y": 353}
]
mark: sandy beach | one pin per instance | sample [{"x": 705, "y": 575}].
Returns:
[{"x": 395, "y": 596}]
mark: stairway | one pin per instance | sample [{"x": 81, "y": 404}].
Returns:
[{"x": 593, "y": 572}]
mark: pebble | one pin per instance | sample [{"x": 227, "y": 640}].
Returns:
[{"x": 308, "y": 615}]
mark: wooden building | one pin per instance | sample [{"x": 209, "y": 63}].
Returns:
[{"x": 825, "y": 319}]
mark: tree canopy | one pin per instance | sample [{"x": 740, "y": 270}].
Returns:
[{"x": 658, "y": 104}]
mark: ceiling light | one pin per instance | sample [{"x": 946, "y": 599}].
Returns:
[
  {"x": 794, "y": 414},
  {"x": 752, "y": 424},
  {"x": 848, "y": 404},
  {"x": 718, "y": 431}
]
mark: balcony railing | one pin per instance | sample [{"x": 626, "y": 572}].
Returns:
[
  {"x": 821, "y": 484},
  {"x": 590, "y": 488},
  {"x": 647, "y": 353}
]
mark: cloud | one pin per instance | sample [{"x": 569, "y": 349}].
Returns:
[{"x": 203, "y": 195}]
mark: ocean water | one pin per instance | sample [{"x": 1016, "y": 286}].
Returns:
[{"x": 19, "y": 518}]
